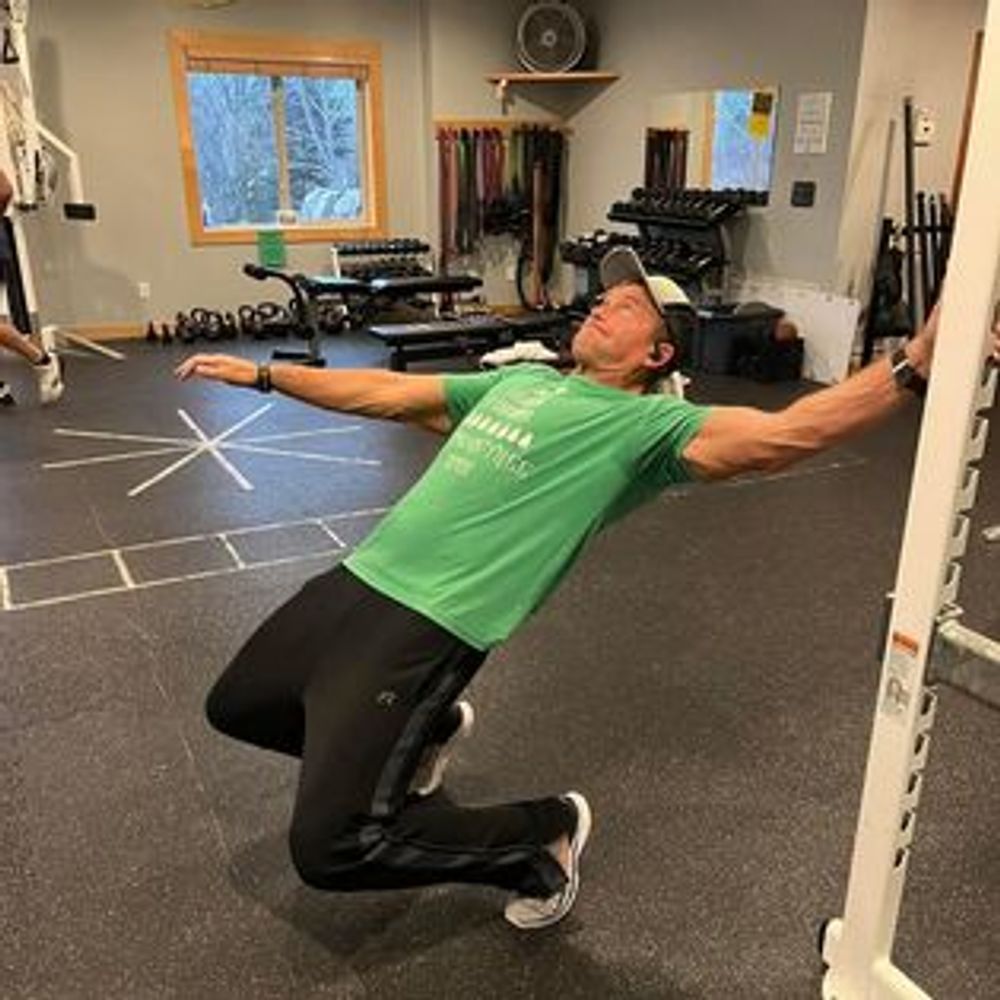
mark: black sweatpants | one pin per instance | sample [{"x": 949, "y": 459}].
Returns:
[{"x": 358, "y": 685}]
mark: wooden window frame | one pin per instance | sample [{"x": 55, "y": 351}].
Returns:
[{"x": 364, "y": 58}]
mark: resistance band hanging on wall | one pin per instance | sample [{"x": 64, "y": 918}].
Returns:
[
  {"x": 666, "y": 158},
  {"x": 497, "y": 179}
]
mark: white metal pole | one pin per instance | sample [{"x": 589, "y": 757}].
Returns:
[{"x": 858, "y": 948}]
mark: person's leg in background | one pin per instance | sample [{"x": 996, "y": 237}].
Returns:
[{"x": 46, "y": 364}]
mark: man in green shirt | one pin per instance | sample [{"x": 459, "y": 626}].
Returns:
[{"x": 360, "y": 673}]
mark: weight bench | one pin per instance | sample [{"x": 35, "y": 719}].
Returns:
[
  {"x": 364, "y": 298},
  {"x": 445, "y": 338}
]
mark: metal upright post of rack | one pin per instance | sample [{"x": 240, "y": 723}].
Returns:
[
  {"x": 910, "y": 222},
  {"x": 857, "y": 948}
]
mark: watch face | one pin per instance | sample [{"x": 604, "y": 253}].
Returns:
[{"x": 905, "y": 375}]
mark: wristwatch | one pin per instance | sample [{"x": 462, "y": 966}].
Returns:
[
  {"x": 263, "y": 382},
  {"x": 905, "y": 375}
]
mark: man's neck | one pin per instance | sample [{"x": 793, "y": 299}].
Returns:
[{"x": 612, "y": 378}]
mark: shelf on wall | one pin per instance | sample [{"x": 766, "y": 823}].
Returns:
[
  {"x": 570, "y": 76},
  {"x": 564, "y": 93}
]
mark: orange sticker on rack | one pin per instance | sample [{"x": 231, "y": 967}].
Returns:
[{"x": 905, "y": 643}]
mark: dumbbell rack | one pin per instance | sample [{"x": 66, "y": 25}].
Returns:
[
  {"x": 388, "y": 258},
  {"x": 693, "y": 218},
  {"x": 857, "y": 948},
  {"x": 677, "y": 258}
]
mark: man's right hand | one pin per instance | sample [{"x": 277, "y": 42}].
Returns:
[{"x": 218, "y": 368}]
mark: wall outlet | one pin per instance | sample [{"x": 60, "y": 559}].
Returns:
[{"x": 144, "y": 290}]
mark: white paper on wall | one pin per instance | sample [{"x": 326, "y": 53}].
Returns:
[{"x": 812, "y": 122}]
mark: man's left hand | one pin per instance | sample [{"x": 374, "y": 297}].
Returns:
[{"x": 921, "y": 348}]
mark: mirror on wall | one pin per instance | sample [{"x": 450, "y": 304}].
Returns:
[{"x": 712, "y": 140}]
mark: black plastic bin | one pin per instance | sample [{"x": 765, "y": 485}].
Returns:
[{"x": 739, "y": 339}]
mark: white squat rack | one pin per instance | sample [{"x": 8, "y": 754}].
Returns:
[
  {"x": 28, "y": 155},
  {"x": 925, "y": 639}
]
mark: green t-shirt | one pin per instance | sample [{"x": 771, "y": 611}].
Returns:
[{"x": 537, "y": 463}]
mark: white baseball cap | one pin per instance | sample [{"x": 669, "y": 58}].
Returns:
[{"x": 622, "y": 264}]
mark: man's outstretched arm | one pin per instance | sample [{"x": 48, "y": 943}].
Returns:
[
  {"x": 737, "y": 439},
  {"x": 368, "y": 392}
]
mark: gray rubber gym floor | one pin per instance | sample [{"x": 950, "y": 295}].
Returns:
[{"x": 706, "y": 676}]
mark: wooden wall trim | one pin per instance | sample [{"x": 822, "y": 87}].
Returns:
[{"x": 105, "y": 331}]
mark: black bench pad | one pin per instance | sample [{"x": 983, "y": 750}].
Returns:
[
  {"x": 443, "y": 329},
  {"x": 448, "y": 337},
  {"x": 327, "y": 284},
  {"x": 400, "y": 288}
]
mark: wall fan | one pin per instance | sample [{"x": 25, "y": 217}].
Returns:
[{"x": 551, "y": 37}]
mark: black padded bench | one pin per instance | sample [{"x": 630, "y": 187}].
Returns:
[
  {"x": 431, "y": 284},
  {"x": 390, "y": 288},
  {"x": 364, "y": 299},
  {"x": 447, "y": 338},
  {"x": 326, "y": 284}
]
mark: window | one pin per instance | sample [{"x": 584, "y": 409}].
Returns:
[
  {"x": 279, "y": 132},
  {"x": 742, "y": 139}
]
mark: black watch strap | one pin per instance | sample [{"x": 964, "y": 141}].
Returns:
[
  {"x": 905, "y": 375},
  {"x": 263, "y": 383}
]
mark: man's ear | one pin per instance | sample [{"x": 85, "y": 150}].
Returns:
[{"x": 660, "y": 355}]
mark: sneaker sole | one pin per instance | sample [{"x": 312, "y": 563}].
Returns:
[{"x": 436, "y": 779}]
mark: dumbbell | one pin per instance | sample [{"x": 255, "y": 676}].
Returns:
[
  {"x": 206, "y": 323},
  {"x": 249, "y": 324},
  {"x": 274, "y": 319},
  {"x": 185, "y": 331}
]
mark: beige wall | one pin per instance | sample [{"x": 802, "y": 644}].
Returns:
[
  {"x": 918, "y": 47},
  {"x": 467, "y": 40},
  {"x": 682, "y": 45},
  {"x": 661, "y": 48},
  {"x": 102, "y": 79}
]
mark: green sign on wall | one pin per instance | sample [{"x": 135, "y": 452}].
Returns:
[{"x": 271, "y": 248}]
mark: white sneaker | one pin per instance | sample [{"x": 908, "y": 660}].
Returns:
[
  {"x": 50, "y": 381},
  {"x": 530, "y": 914},
  {"x": 6, "y": 396},
  {"x": 47, "y": 338},
  {"x": 430, "y": 770}
]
